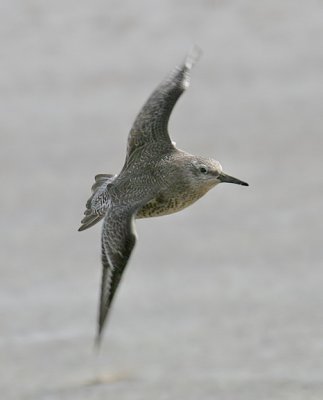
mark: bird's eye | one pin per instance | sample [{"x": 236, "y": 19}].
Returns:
[{"x": 203, "y": 170}]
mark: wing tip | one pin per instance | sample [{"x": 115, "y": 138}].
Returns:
[
  {"x": 193, "y": 56},
  {"x": 97, "y": 342}
]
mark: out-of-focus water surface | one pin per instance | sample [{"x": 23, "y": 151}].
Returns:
[{"x": 223, "y": 300}]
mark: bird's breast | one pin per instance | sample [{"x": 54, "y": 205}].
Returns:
[{"x": 164, "y": 204}]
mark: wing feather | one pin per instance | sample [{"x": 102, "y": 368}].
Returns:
[
  {"x": 118, "y": 241},
  {"x": 152, "y": 121}
]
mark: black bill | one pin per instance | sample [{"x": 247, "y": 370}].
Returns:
[{"x": 230, "y": 179}]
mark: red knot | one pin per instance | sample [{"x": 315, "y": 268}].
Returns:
[{"x": 156, "y": 179}]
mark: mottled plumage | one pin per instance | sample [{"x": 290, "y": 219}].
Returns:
[{"x": 156, "y": 179}]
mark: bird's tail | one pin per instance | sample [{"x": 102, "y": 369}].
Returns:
[{"x": 95, "y": 206}]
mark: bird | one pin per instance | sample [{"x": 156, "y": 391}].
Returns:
[{"x": 156, "y": 179}]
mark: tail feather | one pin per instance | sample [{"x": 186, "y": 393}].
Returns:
[
  {"x": 95, "y": 210},
  {"x": 100, "y": 179},
  {"x": 89, "y": 221}
]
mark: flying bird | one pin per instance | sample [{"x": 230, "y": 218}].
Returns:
[{"x": 157, "y": 179}]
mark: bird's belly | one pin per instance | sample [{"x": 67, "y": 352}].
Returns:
[{"x": 161, "y": 206}]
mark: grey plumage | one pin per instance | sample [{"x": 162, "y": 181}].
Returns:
[
  {"x": 156, "y": 179},
  {"x": 96, "y": 206}
]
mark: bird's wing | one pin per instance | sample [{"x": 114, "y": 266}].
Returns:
[
  {"x": 97, "y": 204},
  {"x": 151, "y": 122},
  {"x": 118, "y": 240}
]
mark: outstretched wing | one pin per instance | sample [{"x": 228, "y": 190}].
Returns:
[
  {"x": 118, "y": 240},
  {"x": 152, "y": 121}
]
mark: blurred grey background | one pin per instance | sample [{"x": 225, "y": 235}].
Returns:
[{"x": 223, "y": 300}]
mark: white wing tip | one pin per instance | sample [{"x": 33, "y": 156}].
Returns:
[{"x": 193, "y": 56}]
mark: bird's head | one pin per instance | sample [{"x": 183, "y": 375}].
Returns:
[{"x": 208, "y": 173}]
